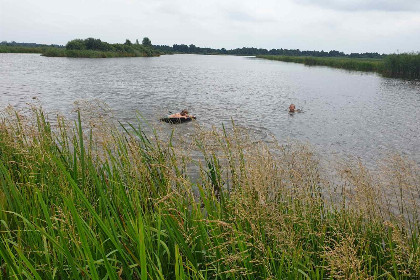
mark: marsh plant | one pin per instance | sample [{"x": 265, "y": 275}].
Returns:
[
  {"x": 80, "y": 200},
  {"x": 406, "y": 65}
]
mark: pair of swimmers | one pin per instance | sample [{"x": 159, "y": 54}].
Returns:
[{"x": 184, "y": 114}]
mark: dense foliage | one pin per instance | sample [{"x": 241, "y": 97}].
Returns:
[
  {"x": 91, "y": 47},
  {"x": 97, "y": 202}
]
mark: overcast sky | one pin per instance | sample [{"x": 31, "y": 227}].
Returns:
[{"x": 347, "y": 25}]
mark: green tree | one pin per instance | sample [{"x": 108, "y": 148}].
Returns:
[
  {"x": 93, "y": 44},
  {"x": 127, "y": 42},
  {"x": 76, "y": 44},
  {"x": 146, "y": 42}
]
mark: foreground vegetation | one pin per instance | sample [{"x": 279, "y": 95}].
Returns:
[
  {"x": 94, "y": 201},
  {"x": 394, "y": 65}
]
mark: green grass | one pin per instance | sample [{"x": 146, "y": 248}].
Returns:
[
  {"x": 396, "y": 65},
  {"x": 84, "y": 201},
  {"x": 402, "y": 65},
  {"x": 22, "y": 49},
  {"x": 93, "y": 54},
  {"x": 56, "y": 52}
]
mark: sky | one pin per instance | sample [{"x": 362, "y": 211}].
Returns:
[{"x": 384, "y": 26}]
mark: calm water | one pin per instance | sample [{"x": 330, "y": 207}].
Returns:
[{"x": 346, "y": 113}]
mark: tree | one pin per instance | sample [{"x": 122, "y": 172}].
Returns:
[
  {"x": 146, "y": 42},
  {"x": 137, "y": 42},
  {"x": 127, "y": 42},
  {"x": 76, "y": 44},
  {"x": 192, "y": 48},
  {"x": 93, "y": 44}
]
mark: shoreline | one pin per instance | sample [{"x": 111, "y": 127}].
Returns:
[{"x": 405, "y": 66}]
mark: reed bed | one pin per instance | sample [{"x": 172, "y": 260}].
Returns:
[
  {"x": 22, "y": 49},
  {"x": 56, "y": 52},
  {"x": 80, "y": 200},
  {"x": 403, "y": 65},
  {"x": 394, "y": 65}
]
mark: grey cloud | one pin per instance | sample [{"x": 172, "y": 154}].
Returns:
[{"x": 365, "y": 5}]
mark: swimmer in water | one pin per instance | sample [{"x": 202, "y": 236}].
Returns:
[
  {"x": 292, "y": 109},
  {"x": 183, "y": 114}
]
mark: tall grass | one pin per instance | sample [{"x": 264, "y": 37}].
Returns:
[
  {"x": 403, "y": 65},
  {"x": 357, "y": 64},
  {"x": 395, "y": 65},
  {"x": 22, "y": 49},
  {"x": 56, "y": 52},
  {"x": 82, "y": 201}
]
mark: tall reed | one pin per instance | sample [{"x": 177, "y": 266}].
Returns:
[
  {"x": 394, "y": 65},
  {"x": 82, "y": 201}
]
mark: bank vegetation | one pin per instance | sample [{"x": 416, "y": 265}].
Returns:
[
  {"x": 90, "y": 199},
  {"x": 393, "y": 65}
]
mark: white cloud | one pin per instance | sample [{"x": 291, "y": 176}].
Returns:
[{"x": 350, "y": 26}]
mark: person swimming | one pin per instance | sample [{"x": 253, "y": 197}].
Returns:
[
  {"x": 292, "y": 109},
  {"x": 183, "y": 114},
  {"x": 181, "y": 117}
]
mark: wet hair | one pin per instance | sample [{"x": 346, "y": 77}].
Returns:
[
  {"x": 292, "y": 107},
  {"x": 184, "y": 112}
]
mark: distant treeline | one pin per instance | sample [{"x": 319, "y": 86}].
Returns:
[
  {"x": 393, "y": 65},
  {"x": 14, "y": 47},
  {"x": 95, "y": 48},
  {"x": 192, "y": 49},
  {"x": 134, "y": 49},
  {"x": 32, "y": 45}
]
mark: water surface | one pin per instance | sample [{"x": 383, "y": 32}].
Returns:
[{"x": 348, "y": 113}]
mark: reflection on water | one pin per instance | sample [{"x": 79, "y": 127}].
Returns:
[{"x": 352, "y": 113}]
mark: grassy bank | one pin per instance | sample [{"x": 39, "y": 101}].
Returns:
[
  {"x": 89, "y": 200},
  {"x": 395, "y": 65},
  {"x": 55, "y": 52},
  {"x": 88, "y": 48},
  {"x": 95, "y": 48},
  {"x": 22, "y": 49},
  {"x": 62, "y": 52}
]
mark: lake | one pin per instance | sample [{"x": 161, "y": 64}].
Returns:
[{"x": 345, "y": 113}]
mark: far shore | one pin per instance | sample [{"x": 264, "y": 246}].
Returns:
[{"x": 406, "y": 65}]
